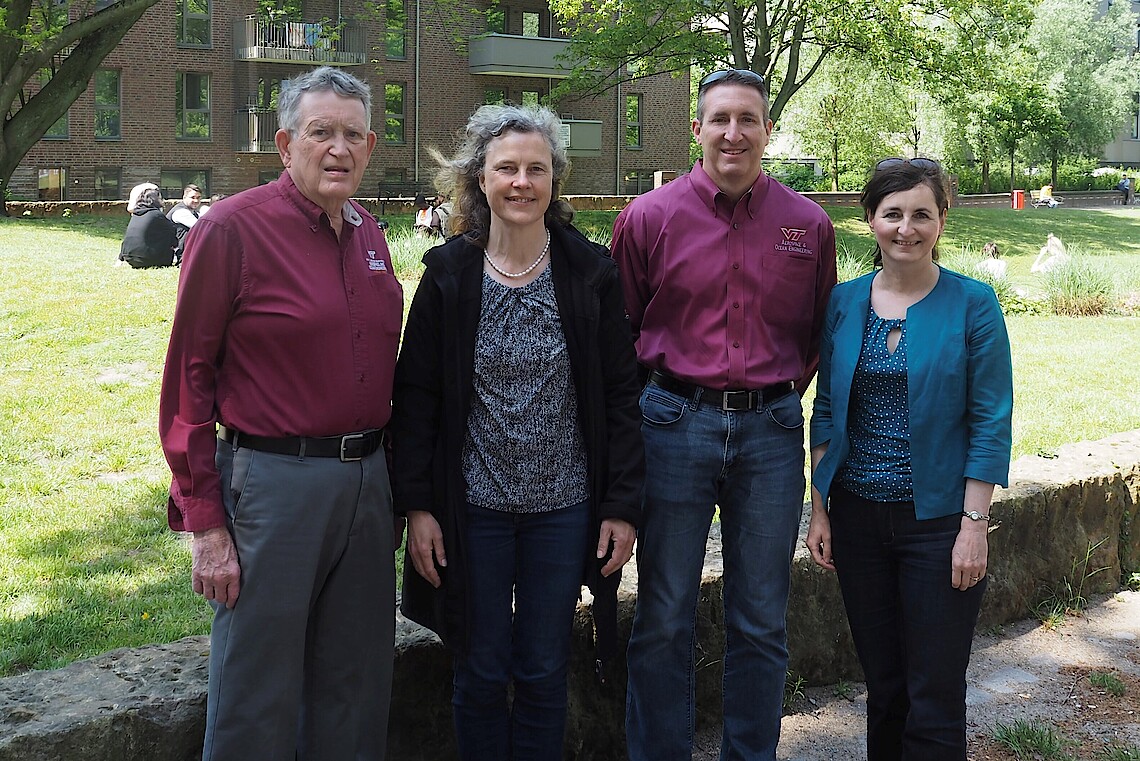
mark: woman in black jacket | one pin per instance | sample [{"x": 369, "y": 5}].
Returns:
[
  {"x": 150, "y": 239},
  {"x": 516, "y": 436}
]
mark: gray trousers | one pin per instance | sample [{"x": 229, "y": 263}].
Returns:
[{"x": 301, "y": 667}]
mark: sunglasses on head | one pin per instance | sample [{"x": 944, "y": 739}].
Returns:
[
  {"x": 921, "y": 163},
  {"x": 748, "y": 76}
]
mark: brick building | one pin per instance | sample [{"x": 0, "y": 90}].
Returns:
[{"x": 190, "y": 94}]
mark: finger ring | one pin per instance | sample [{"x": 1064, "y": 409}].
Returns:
[{"x": 973, "y": 578}]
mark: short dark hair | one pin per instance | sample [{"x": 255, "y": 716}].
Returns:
[{"x": 894, "y": 176}]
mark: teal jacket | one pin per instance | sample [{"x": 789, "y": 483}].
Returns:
[{"x": 959, "y": 388}]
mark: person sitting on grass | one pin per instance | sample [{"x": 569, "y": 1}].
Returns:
[{"x": 150, "y": 239}]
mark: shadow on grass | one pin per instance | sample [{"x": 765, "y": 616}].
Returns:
[{"x": 117, "y": 583}]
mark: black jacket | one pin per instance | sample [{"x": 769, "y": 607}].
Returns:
[
  {"x": 149, "y": 240},
  {"x": 432, "y": 398}
]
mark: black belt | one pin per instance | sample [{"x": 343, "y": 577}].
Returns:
[
  {"x": 729, "y": 401},
  {"x": 348, "y": 448}
]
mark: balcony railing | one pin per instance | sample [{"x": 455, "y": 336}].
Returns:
[
  {"x": 254, "y": 129},
  {"x": 299, "y": 42}
]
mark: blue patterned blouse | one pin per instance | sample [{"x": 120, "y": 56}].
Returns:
[{"x": 878, "y": 467}]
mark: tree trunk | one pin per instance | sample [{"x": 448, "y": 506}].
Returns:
[
  {"x": 1056, "y": 159},
  {"x": 1012, "y": 184},
  {"x": 985, "y": 175},
  {"x": 834, "y": 165}
]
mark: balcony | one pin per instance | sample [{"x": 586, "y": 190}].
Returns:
[
  {"x": 582, "y": 137},
  {"x": 514, "y": 56},
  {"x": 299, "y": 42},
  {"x": 254, "y": 129}
]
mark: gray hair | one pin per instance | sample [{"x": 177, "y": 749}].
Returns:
[
  {"x": 459, "y": 176},
  {"x": 324, "y": 79}
]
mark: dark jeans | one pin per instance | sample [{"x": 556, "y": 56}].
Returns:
[
  {"x": 538, "y": 561},
  {"x": 912, "y": 629}
]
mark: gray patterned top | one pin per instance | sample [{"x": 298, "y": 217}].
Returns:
[{"x": 524, "y": 451}]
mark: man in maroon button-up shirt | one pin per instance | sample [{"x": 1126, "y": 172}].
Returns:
[
  {"x": 726, "y": 275},
  {"x": 285, "y": 334}
]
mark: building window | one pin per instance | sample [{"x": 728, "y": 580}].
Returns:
[
  {"x": 496, "y": 20},
  {"x": 108, "y": 183},
  {"x": 531, "y": 24},
  {"x": 192, "y": 101},
  {"x": 530, "y": 98},
  {"x": 636, "y": 183},
  {"x": 633, "y": 121},
  {"x": 397, "y": 33},
  {"x": 172, "y": 181},
  {"x": 1136, "y": 116},
  {"x": 193, "y": 18},
  {"x": 108, "y": 104},
  {"x": 53, "y": 185},
  {"x": 393, "y": 113},
  {"x": 59, "y": 130},
  {"x": 494, "y": 96},
  {"x": 266, "y": 176}
]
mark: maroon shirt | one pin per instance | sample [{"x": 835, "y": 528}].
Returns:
[
  {"x": 727, "y": 297},
  {"x": 279, "y": 330}
]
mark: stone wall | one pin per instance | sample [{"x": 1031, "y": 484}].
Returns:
[{"x": 148, "y": 704}]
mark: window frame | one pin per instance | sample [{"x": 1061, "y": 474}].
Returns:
[
  {"x": 101, "y": 171},
  {"x": 61, "y": 172},
  {"x": 185, "y": 176},
  {"x": 182, "y": 16},
  {"x": 634, "y": 125},
  {"x": 65, "y": 120},
  {"x": 400, "y": 117},
  {"x": 390, "y": 31},
  {"x": 101, "y": 109},
  {"x": 180, "y": 109}
]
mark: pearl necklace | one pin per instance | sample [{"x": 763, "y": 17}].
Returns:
[{"x": 525, "y": 272}]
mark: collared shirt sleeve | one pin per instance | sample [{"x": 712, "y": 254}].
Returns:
[
  {"x": 989, "y": 394},
  {"x": 628, "y": 248},
  {"x": 208, "y": 290},
  {"x": 825, "y": 282},
  {"x": 183, "y": 217}
]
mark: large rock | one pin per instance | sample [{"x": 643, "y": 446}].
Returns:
[{"x": 1067, "y": 529}]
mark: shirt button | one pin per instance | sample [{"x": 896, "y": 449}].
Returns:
[
  {"x": 736, "y": 344},
  {"x": 736, "y": 305},
  {"x": 735, "y": 226},
  {"x": 735, "y": 266}
]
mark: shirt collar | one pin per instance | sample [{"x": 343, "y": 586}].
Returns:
[
  {"x": 312, "y": 212},
  {"x": 707, "y": 190}
]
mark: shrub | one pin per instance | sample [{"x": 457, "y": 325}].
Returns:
[
  {"x": 851, "y": 264},
  {"x": 798, "y": 177},
  {"x": 1079, "y": 288}
]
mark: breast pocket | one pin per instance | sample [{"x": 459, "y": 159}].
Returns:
[{"x": 788, "y": 299}]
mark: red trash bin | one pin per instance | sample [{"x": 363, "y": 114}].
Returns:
[{"x": 1017, "y": 200}]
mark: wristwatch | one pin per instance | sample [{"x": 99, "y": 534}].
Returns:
[{"x": 974, "y": 515}]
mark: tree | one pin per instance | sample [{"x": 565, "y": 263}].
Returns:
[
  {"x": 38, "y": 35},
  {"x": 787, "y": 42},
  {"x": 1086, "y": 63}
]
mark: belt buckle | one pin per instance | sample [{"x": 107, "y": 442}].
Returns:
[
  {"x": 344, "y": 441},
  {"x": 729, "y": 406}
]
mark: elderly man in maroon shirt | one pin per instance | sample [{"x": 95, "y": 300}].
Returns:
[
  {"x": 277, "y": 389},
  {"x": 726, "y": 275}
]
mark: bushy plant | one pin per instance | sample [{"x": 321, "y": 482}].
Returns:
[
  {"x": 851, "y": 264},
  {"x": 798, "y": 177},
  {"x": 1079, "y": 288}
]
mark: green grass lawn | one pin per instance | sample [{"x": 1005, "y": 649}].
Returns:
[{"x": 86, "y": 561}]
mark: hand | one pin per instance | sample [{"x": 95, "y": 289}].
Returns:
[
  {"x": 970, "y": 553},
  {"x": 621, "y": 534},
  {"x": 215, "y": 572},
  {"x": 425, "y": 540},
  {"x": 819, "y": 539}
]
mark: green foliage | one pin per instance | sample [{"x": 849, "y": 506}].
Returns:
[
  {"x": 1108, "y": 682},
  {"x": 1118, "y": 752},
  {"x": 1067, "y": 599},
  {"x": 799, "y": 177},
  {"x": 844, "y": 690},
  {"x": 851, "y": 263},
  {"x": 1080, "y": 288},
  {"x": 1031, "y": 740},
  {"x": 793, "y": 691},
  {"x": 965, "y": 261}
]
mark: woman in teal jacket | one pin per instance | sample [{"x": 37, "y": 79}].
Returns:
[{"x": 910, "y": 433}]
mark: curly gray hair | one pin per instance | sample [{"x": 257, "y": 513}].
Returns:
[{"x": 459, "y": 176}]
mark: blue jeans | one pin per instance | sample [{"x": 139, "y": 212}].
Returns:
[
  {"x": 911, "y": 628},
  {"x": 751, "y": 464},
  {"x": 536, "y": 560}
]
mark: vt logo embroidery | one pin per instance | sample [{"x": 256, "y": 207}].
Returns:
[
  {"x": 377, "y": 265},
  {"x": 792, "y": 234}
]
